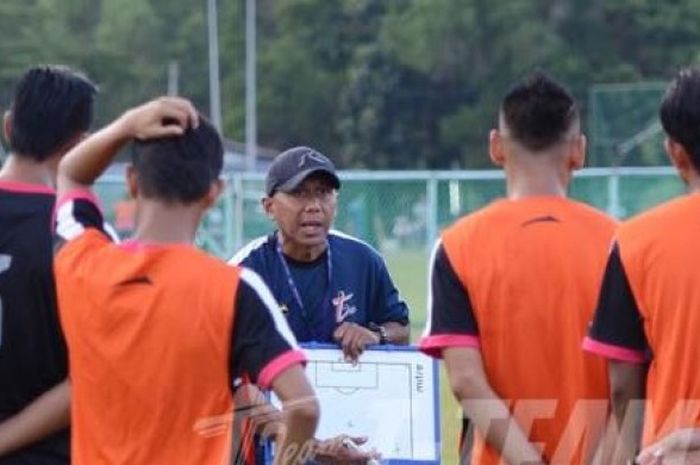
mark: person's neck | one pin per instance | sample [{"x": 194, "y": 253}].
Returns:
[
  {"x": 27, "y": 171},
  {"x": 299, "y": 252},
  {"x": 162, "y": 223},
  {"x": 536, "y": 177}
]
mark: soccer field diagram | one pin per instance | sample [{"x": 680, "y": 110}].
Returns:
[{"x": 390, "y": 396}]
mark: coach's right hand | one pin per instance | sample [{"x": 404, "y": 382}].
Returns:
[{"x": 353, "y": 339}]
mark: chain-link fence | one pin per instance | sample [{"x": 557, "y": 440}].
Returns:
[{"x": 402, "y": 210}]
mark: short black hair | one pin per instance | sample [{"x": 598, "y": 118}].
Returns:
[
  {"x": 51, "y": 106},
  {"x": 538, "y": 112},
  {"x": 680, "y": 112},
  {"x": 179, "y": 169}
]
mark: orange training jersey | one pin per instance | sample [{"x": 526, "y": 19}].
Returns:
[
  {"x": 155, "y": 336},
  {"x": 519, "y": 280},
  {"x": 650, "y": 306}
]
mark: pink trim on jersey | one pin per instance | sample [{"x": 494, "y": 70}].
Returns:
[
  {"x": 131, "y": 245},
  {"x": 278, "y": 365},
  {"x": 26, "y": 187},
  {"x": 613, "y": 352},
  {"x": 433, "y": 345},
  {"x": 78, "y": 194}
]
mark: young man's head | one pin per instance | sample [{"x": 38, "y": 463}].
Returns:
[
  {"x": 301, "y": 187},
  {"x": 178, "y": 170},
  {"x": 50, "y": 112},
  {"x": 680, "y": 118},
  {"x": 538, "y": 116}
]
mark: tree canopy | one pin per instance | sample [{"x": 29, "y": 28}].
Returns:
[{"x": 391, "y": 84}]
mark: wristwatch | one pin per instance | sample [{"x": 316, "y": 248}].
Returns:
[{"x": 381, "y": 332}]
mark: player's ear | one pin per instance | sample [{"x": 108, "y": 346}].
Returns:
[
  {"x": 496, "y": 150},
  {"x": 577, "y": 157},
  {"x": 7, "y": 125},
  {"x": 215, "y": 189},
  {"x": 680, "y": 159},
  {"x": 132, "y": 181}
]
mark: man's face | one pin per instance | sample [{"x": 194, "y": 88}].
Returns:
[{"x": 304, "y": 215}]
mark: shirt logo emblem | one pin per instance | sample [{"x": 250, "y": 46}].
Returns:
[{"x": 343, "y": 307}]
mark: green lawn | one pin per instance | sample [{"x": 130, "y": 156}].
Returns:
[{"x": 409, "y": 271}]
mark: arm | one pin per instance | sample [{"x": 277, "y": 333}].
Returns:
[
  {"x": 301, "y": 414},
  {"x": 387, "y": 310},
  {"x": 489, "y": 413},
  {"x": 626, "y": 390},
  {"x": 396, "y": 333},
  {"x": 681, "y": 447},
  {"x": 617, "y": 333},
  {"x": 265, "y": 351},
  {"x": 87, "y": 160},
  {"x": 47, "y": 414}
]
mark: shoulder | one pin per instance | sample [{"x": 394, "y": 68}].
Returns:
[
  {"x": 346, "y": 244},
  {"x": 591, "y": 213},
  {"x": 495, "y": 212},
  {"x": 674, "y": 211},
  {"x": 86, "y": 253},
  {"x": 251, "y": 250},
  {"x": 663, "y": 223}
]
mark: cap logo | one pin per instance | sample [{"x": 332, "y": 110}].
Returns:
[{"x": 313, "y": 156}]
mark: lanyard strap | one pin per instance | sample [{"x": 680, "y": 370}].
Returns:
[{"x": 292, "y": 285}]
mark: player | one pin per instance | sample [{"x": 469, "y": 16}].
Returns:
[
  {"x": 51, "y": 111},
  {"x": 648, "y": 299},
  {"x": 156, "y": 329},
  {"x": 513, "y": 287}
]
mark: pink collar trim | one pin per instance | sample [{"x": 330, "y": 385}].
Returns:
[{"x": 26, "y": 188}]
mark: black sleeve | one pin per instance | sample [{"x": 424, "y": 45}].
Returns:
[
  {"x": 388, "y": 305},
  {"x": 617, "y": 330},
  {"x": 262, "y": 343},
  {"x": 76, "y": 213},
  {"x": 450, "y": 307}
]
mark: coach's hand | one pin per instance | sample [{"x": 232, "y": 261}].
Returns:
[
  {"x": 335, "y": 451},
  {"x": 353, "y": 339},
  {"x": 679, "y": 448}
]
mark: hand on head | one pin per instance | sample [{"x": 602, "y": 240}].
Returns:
[{"x": 162, "y": 117}]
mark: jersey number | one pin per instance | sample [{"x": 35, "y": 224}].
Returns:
[{"x": 5, "y": 262}]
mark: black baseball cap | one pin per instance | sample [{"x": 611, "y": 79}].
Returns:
[{"x": 291, "y": 167}]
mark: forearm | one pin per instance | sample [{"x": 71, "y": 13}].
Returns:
[
  {"x": 627, "y": 390},
  {"x": 163, "y": 117},
  {"x": 87, "y": 160},
  {"x": 396, "y": 333},
  {"x": 486, "y": 409},
  {"x": 46, "y": 415},
  {"x": 298, "y": 443},
  {"x": 499, "y": 428},
  {"x": 301, "y": 414}
]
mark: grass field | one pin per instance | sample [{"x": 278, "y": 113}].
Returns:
[{"x": 409, "y": 271}]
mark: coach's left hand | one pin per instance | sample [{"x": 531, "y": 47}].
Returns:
[{"x": 353, "y": 339}]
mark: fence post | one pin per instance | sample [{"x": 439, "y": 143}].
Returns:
[
  {"x": 614, "y": 207},
  {"x": 229, "y": 219},
  {"x": 431, "y": 211},
  {"x": 238, "y": 217}
]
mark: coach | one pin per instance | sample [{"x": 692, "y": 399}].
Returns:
[{"x": 332, "y": 287}]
